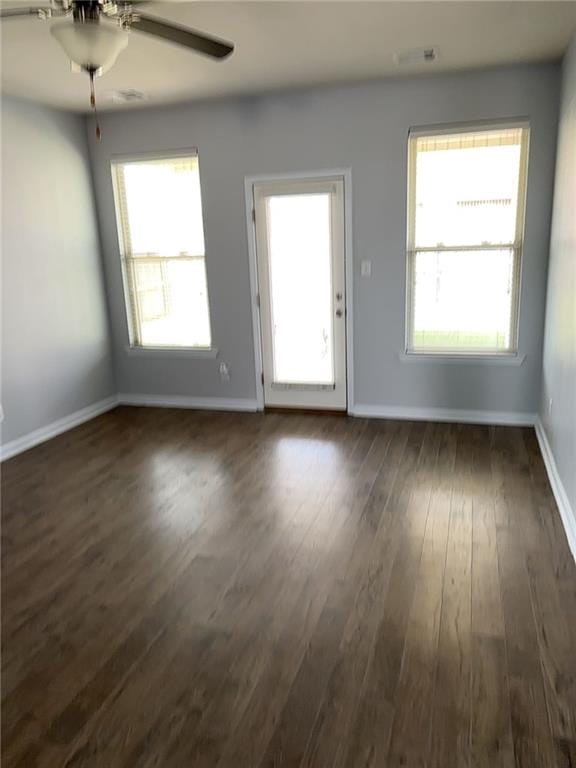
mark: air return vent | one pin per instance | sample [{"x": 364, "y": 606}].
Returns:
[{"x": 416, "y": 56}]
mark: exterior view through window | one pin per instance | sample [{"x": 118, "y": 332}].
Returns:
[
  {"x": 159, "y": 214},
  {"x": 466, "y": 195}
]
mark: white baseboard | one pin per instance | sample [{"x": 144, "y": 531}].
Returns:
[
  {"x": 25, "y": 442},
  {"x": 511, "y": 418},
  {"x": 57, "y": 427},
  {"x": 247, "y": 404},
  {"x": 182, "y": 401},
  {"x": 564, "y": 507}
]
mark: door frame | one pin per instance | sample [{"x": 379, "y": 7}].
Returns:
[{"x": 346, "y": 175}]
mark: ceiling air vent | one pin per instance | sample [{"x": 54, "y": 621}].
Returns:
[
  {"x": 127, "y": 96},
  {"x": 416, "y": 56}
]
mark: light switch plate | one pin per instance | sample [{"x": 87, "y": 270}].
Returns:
[{"x": 365, "y": 268}]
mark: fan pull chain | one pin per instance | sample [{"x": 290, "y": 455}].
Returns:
[{"x": 93, "y": 104}]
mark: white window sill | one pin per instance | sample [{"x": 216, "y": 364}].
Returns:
[
  {"x": 197, "y": 352},
  {"x": 504, "y": 358}
]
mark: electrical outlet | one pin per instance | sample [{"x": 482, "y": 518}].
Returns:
[{"x": 224, "y": 372}]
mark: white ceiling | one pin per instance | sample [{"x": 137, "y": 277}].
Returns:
[{"x": 289, "y": 44}]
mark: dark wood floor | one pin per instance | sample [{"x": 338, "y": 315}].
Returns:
[{"x": 199, "y": 589}]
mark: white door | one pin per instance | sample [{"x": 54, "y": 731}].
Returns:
[{"x": 301, "y": 284}]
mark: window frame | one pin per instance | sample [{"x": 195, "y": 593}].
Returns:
[
  {"x": 465, "y": 354},
  {"x": 134, "y": 346}
]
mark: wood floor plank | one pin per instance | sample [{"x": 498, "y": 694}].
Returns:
[
  {"x": 565, "y": 753},
  {"x": 349, "y": 508},
  {"x": 557, "y": 650},
  {"x": 487, "y": 616},
  {"x": 531, "y": 732},
  {"x": 491, "y": 742},
  {"x": 328, "y": 738},
  {"x": 370, "y": 731},
  {"x": 289, "y": 741},
  {"x": 415, "y": 691},
  {"x": 450, "y": 737}
]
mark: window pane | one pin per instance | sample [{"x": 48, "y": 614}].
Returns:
[
  {"x": 462, "y": 300},
  {"x": 160, "y": 212},
  {"x": 173, "y": 302},
  {"x": 467, "y": 188},
  {"x": 164, "y": 207},
  {"x": 300, "y": 288}
]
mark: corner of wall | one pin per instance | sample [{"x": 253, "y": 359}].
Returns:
[{"x": 556, "y": 426}]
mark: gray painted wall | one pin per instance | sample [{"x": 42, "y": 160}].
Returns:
[
  {"x": 363, "y": 127},
  {"x": 55, "y": 347},
  {"x": 559, "y": 374}
]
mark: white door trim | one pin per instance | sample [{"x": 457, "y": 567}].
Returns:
[{"x": 249, "y": 181}]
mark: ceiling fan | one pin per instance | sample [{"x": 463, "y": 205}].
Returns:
[{"x": 95, "y": 32}]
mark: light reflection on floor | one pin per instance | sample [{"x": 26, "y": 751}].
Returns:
[{"x": 294, "y": 474}]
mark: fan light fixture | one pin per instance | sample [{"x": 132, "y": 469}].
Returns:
[{"x": 93, "y": 45}]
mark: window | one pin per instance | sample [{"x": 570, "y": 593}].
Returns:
[
  {"x": 159, "y": 212},
  {"x": 466, "y": 194}
]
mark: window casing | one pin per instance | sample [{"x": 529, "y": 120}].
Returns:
[
  {"x": 466, "y": 204},
  {"x": 161, "y": 238}
]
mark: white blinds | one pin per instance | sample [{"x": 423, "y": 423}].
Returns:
[{"x": 477, "y": 139}]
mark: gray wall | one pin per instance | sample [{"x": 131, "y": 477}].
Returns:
[
  {"x": 55, "y": 346},
  {"x": 559, "y": 376},
  {"x": 363, "y": 127}
]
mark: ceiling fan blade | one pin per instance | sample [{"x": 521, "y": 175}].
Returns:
[
  {"x": 10, "y": 13},
  {"x": 189, "y": 38}
]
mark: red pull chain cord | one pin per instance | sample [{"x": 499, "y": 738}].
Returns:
[{"x": 93, "y": 104}]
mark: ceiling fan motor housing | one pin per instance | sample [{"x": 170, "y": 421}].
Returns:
[{"x": 86, "y": 10}]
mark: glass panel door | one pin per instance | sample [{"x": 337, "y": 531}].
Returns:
[{"x": 300, "y": 249}]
